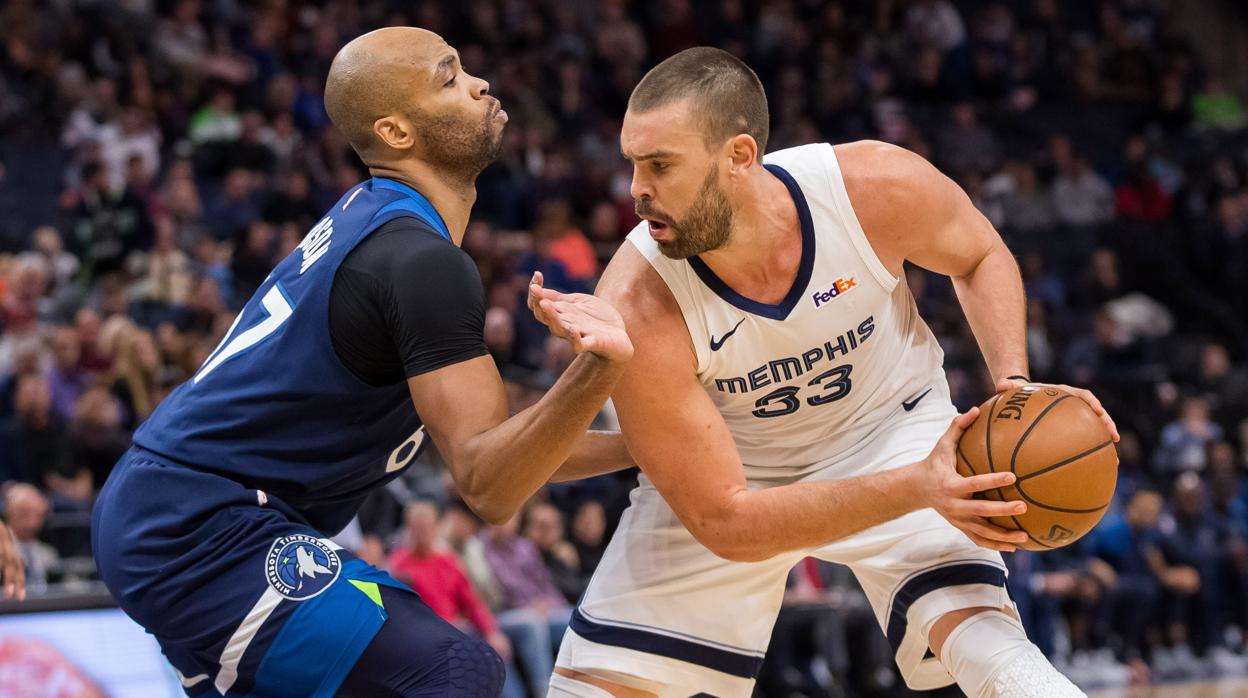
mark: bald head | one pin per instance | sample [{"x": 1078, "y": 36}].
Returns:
[
  {"x": 400, "y": 92},
  {"x": 382, "y": 73}
]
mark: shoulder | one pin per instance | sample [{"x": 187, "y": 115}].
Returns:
[
  {"x": 900, "y": 199},
  {"x": 407, "y": 247},
  {"x": 651, "y": 314},
  {"x": 882, "y": 178}
]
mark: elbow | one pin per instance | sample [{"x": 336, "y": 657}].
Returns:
[
  {"x": 739, "y": 553},
  {"x": 727, "y": 541},
  {"x": 494, "y": 500},
  {"x": 491, "y": 507}
]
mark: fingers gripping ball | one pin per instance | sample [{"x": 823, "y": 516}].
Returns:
[{"x": 1059, "y": 450}]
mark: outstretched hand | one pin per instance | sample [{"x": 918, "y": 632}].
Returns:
[{"x": 588, "y": 322}]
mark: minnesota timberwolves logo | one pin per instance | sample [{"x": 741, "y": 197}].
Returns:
[{"x": 300, "y": 567}]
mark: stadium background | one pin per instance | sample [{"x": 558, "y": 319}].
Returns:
[{"x": 157, "y": 157}]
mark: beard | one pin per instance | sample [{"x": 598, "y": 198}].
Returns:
[
  {"x": 457, "y": 147},
  {"x": 707, "y": 226}
]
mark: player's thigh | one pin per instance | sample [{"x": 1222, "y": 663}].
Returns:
[
  {"x": 663, "y": 612},
  {"x": 416, "y": 653}
]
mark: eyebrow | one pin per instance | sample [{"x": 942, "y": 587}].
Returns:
[
  {"x": 446, "y": 65},
  {"x": 649, "y": 156}
]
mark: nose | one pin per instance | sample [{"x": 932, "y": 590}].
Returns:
[
  {"x": 639, "y": 186},
  {"x": 483, "y": 88}
]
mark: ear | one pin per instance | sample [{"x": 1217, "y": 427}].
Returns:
[
  {"x": 742, "y": 153},
  {"x": 395, "y": 131}
]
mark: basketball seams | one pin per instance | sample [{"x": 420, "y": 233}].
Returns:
[
  {"x": 1068, "y": 461},
  {"x": 1030, "y": 427},
  {"x": 965, "y": 459}
]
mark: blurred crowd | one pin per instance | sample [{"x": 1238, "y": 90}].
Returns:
[{"x": 157, "y": 157}]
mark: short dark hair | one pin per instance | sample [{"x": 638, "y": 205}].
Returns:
[{"x": 727, "y": 95}]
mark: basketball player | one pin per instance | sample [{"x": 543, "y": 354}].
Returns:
[
  {"x": 787, "y": 400},
  {"x": 212, "y": 530}
]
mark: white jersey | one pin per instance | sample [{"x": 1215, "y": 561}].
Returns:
[{"x": 802, "y": 382}]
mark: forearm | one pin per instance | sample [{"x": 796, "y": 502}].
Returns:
[
  {"x": 502, "y": 467},
  {"x": 995, "y": 305},
  {"x": 760, "y": 524},
  {"x": 596, "y": 453}
]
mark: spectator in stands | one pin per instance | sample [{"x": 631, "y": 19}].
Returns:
[
  {"x": 1132, "y": 547},
  {"x": 91, "y": 358},
  {"x": 1195, "y": 542},
  {"x": 236, "y": 207},
  {"x": 98, "y": 437},
  {"x": 1184, "y": 441},
  {"x": 1223, "y": 385},
  {"x": 565, "y": 243},
  {"x": 34, "y": 442},
  {"x": 528, "y": 631},
  {"x": 136, "y": 376},
  {"x": 22, "y": 301},
  {"x": 47, "y": 241},
  {"x": 525, "y": 582},
  {"x": 109, "y": 223},
  {"x": 66, "y": 378},
  {"x": 1028, "y": 208},
  {"x": 1082, "y": 197},
  {"x": 1140, "y": 196},
  {"x": 965, "y": 144},
  {"x": 543, "y": 524},
  {"x": 459, "y": 528},
  {"x": 435, "y": 575},
  {"x": 26, "y": 512},
  {"x": 589, "y": 527}
]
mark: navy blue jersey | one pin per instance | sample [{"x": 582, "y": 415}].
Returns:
[{"x": 273, "y": 408}]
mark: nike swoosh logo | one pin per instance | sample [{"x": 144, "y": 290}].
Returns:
[
  {"x": 716, "y": 344},
  {"x": 908, "y": 405},
  {"x": 191, "y": 681}
]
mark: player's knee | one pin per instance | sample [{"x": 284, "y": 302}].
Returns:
[
  {"x": 944, "y": 625},
  {"x": 473, "y": 669},
  {"x": 990, "y": 656}
]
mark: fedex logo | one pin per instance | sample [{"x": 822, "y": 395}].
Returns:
[{"x": 840, "y": 286}]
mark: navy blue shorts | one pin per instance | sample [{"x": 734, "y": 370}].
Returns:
[{"x": 246, "y": 601}]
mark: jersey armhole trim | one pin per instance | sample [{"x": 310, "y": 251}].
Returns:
[{"x": 845, "y": 208}]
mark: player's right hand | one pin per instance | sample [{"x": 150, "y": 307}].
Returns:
[
  {"x": 588, "y": 322},
  {"x": 12, "y": 569},
  {"x": 951, "y": 494}
]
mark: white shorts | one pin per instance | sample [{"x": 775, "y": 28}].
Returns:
[{"x": 664, "y": 609}]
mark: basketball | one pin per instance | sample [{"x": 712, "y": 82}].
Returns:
[{"x": 1061, "y": 453}]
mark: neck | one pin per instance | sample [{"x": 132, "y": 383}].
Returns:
[
  {"x": 452, "y": 197},
  {"x": 764, "y": 251}
]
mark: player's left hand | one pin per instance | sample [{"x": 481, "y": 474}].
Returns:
[
  {"x": 1086, "y": 395},
  {"x": 588, "y": 322}
]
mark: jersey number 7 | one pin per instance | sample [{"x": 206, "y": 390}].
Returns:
[{"x": 278, "y": 308}]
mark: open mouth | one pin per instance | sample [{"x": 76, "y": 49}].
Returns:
[{"x": 657, "y": 228}]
